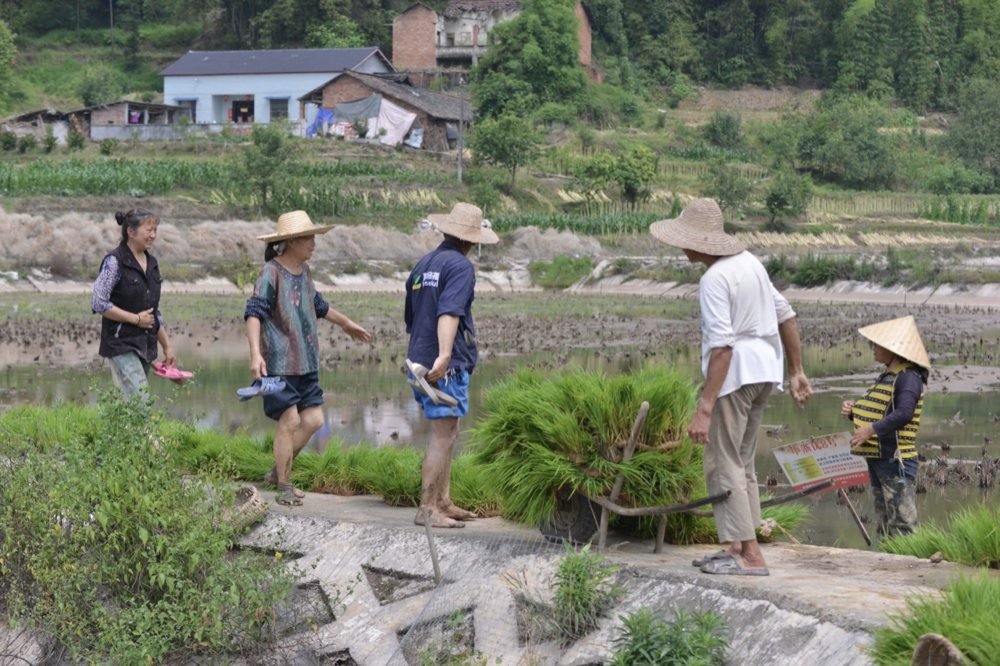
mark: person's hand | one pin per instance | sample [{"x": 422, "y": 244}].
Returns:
[
  {"x": 169, "y": 359},
  {"x": 439, "y": 369},
  {"x": 258, "y": 368},
  {"x": 862, "y": 434},
  {"x": 146, "y": 319},
  {"x": 847, "y": 408},
  {"x": 356, "y": 332},
  {"x": 800, "y": 388},
  {"x": 698, "y": 429}
]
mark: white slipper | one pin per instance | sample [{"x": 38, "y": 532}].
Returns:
[{"x": 423, "y": 386}]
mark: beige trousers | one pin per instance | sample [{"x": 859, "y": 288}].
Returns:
[{"x": 729, "y": 460}]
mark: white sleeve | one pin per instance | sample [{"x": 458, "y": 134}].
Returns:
[
  {"x": 716, "y": 315},
  {"x": 781, "y": 306}
]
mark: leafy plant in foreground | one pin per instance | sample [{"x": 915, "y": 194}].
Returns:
[
  {"x": 971, "y": 537},
  {"x": 585, "y": 591},
  {"x": 692, "y": 639},
  {"x": 108, "y": 550}
]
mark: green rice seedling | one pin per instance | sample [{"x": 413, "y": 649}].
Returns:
[
  {"x": 692, "y": 638},
  {"x": 971, "y": 537},
  {"x": 469, "y": 487},
  {"x": 585, "y": 590},
  {"x": 392, "y": 473},
  {"x": 546, "y": 438},
  {"x": 965, "y": 614}
]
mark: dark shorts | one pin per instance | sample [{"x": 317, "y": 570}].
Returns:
[
  {"x": 457, "y": 386},
  {"x": 300, "y": 391}
]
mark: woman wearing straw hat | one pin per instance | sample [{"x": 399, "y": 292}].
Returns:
[
  {"x": 747, "y": 327},
  {"x": 887, "y": 419},
  {"x": 442, "y": 351},
  {"x": 127, "y": 296},
  {"x": 282, "y": 329}
]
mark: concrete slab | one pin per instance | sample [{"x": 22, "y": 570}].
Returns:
[{"x": 819, "y": 605}]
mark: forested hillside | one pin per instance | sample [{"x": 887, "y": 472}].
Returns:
[{"x": 921, "y": 52}]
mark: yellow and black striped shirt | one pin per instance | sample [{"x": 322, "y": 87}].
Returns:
[{"x": 881, "y": 406}]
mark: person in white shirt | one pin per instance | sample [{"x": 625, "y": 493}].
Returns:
[{"x": 747, "y": 328}]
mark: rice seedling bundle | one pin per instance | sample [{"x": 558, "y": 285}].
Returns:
[
  {"x": 546, "y": 438},
  {"x": 971, "y": 537}
]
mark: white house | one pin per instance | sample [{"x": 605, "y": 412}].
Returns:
[{"x": 259, "y": 86}]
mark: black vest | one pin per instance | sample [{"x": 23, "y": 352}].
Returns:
[{"x": 135, "y": 291}]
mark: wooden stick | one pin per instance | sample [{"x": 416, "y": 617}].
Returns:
[
  {"x": 854, "y": 514},
  {"x": 640, "y": 419}
]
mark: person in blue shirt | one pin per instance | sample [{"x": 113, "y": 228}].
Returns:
[{"x": 442, "y": 351}]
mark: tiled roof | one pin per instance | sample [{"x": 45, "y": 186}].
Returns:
[
  {"x": 283, "y": 61},
  {"x": 436, "y": 105}
]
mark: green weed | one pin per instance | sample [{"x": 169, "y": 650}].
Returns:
[
  {"x": 691, "y": 639},
  {"x": 585, "y": 590},
  {"x": 560, "y": 273}
]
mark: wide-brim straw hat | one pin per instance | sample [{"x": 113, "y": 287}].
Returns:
[
  {"x": 901, "y": 337},
  {"x": 465, "y": 221},
  {"x": 698, "y": 228},
  {"x": 294, "y": 225}
]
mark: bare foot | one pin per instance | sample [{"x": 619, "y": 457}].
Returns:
[
  {"x": 458, "y": 513},
  {"x": 435, "y": 519},
  {"x": 271, "y": 479}
]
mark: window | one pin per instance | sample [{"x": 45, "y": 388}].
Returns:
[
  {"x": 450, "y": 37},
  {"x": 188, "y": 108},
  {"x": 279, "y": 109}
]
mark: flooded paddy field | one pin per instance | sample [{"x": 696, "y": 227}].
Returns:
[{"x": 48, "y": 356}]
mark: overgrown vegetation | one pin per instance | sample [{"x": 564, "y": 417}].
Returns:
[
  {"x": 105, "y": 548},
  {"x": 560, "y": 273},
  {"x": 965, "y": 615},
  {"x": 585, "y": 590},
  {"x": 691, "y": 639}
]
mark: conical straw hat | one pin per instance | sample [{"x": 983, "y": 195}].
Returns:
[
  {"x": 465, "y": 221},
  {"x": 698, "y": 228},
  {"x": 901, "y": 337},
  {"x": 294, "y": 225}
]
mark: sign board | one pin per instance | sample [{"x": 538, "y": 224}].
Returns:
[{"x": 817, "y": 459}]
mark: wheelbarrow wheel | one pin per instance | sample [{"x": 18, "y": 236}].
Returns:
[{"x": 575, "y": 520}]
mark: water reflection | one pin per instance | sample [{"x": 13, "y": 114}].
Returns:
[{"x": 373, "y": 403}]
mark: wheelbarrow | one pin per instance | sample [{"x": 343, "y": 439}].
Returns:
[{"x": 578, "y": 516}]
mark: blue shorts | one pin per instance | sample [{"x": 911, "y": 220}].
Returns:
[
  {"x": 300, "y": 391},
  {"x": 456, "y": 384}
]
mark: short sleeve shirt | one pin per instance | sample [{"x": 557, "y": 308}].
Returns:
[
  {"x": 287, "y": 306},
  {"x": 442, "y": 283},
  {"x": 741, "y": 309}
]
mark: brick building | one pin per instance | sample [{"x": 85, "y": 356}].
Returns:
[
  {"x": 435, "y": 111},
  {"x": 428, "y": 44}
]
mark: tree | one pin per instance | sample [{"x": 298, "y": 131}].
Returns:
[
  {"x": 507, "y": 141},
  {"x": 264, "y": 160},
  {"x": 8, "y": 54},
  {"x": 975, "y": 136},
  {"x": 634, "y": 170},
  {"x": 842, "y": 142},
  {"x": 730, "y": 188},
  {"x": 537, "y": 52},
  {"x": 863, "y": 39},
  {"x": 788, "y": 195}
]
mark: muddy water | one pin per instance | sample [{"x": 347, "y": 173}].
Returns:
[{"x": 371, "y": 402}]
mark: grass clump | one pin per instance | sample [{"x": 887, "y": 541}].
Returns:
[
  {"x": 560, "y": 273},
  {"x": 966, "y": 614},
  {"x": 692, "y": 639},
  {"x": 109, "y": 552},
  {"x": 585, "y": 590},
  {"x": 549, "y": 436},
  {"x": 971, "y": 537}
]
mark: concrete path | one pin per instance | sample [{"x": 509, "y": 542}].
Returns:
[{"x": 819, "y": 605}]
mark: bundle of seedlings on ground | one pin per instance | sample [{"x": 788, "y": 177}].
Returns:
[
  {"x": 971, "y": 537},
  {"x": 965, "y": 615},
  {"x": 692, "y": 638},
  {"x": 111, "y": 555},
  {"x": 546, "y": 438}
]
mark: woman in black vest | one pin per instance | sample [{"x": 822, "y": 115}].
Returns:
[{"x": 127, "y": 296}]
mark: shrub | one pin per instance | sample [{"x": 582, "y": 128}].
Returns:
[
  {"x": 560, "y": 273},
  {"x": 723, "y": 130},
  {"x": 553, "y": 112},
  {"x": 75, "y": 140},
  {"x": 788, "y": 195},
  {"x": 49, "y": 142},
  {"x": 108, "y": 146},
  {"x": 109, "y": 550},
  {"x": 27, "y": 143},
  {"x": 8, "y": 141},
  {"x": 102, "y": 84},
  {"x": 697, "y": 638}
]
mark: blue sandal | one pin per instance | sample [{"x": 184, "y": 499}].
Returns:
[{"x": 262, "y": 386}]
